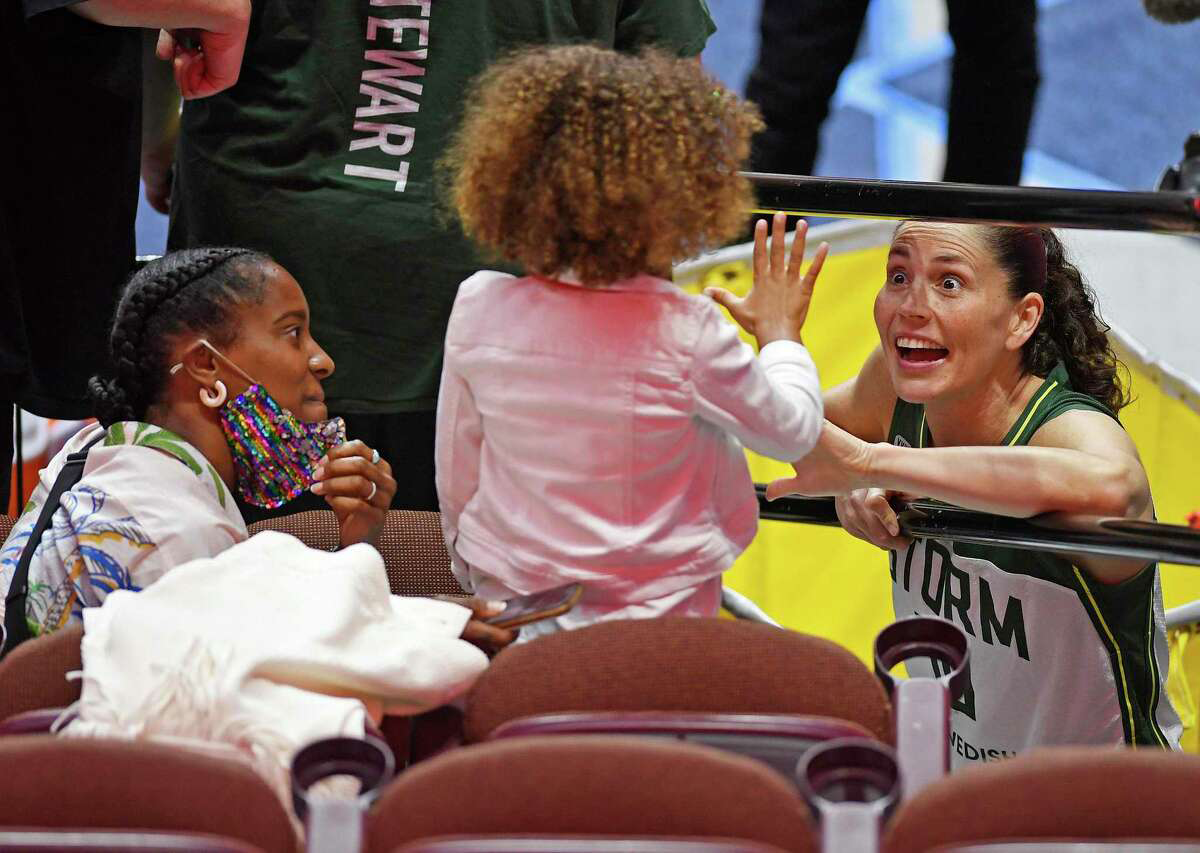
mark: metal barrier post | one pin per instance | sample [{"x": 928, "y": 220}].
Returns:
[
  {"x": 851, "y": 784},
  {"x": 336, "y": 825},
  {"x": 922, "y": 705}
]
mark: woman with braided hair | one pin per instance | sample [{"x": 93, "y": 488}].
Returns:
[
  {"x": 217, "y": 386},
  {"x": 995, "y": 388}
]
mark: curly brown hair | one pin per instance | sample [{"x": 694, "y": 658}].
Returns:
[
  {"x": 605, "y": 164},
  {"x": 1071, "y": 329}
]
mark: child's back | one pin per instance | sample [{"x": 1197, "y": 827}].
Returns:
[
  {"x": 593, "y": 432},
  {"x": 602, "y": 417}
]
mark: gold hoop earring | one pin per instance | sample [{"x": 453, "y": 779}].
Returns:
[{"x": 214, "y": 399}]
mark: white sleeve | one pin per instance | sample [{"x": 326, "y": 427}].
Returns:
[
  {"x": 772, "y": 403},
  {"x": 457, "y": 450}
]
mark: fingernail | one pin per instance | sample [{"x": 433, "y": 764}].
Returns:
[
  {"x": 317, "y": 488},
  {"x": 319, "y": 474}
]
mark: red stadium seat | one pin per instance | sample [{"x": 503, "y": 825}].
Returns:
[
  {"x": 117, "y": 841},
  {"x": 779, "y": 740},
  {"x": 695, "y": 665},
  {"x": 590, "y": 785},
  {"x": 1062, "y": 794},
  {"x": 580, "y": 844},
  {"x": 411, "y": 543},
  {"x": 92, "y": 784},
  {"x": 34, "y": 675}
]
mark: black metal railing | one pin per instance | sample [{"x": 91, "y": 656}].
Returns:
[
  {"x": 1056, "y": 533},
  {"x": 1171, "y": 212}
]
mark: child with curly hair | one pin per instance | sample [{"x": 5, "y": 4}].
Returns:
[{"x": 592, "y": 415}]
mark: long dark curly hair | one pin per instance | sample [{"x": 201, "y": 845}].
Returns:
[{"x": 1071, "y": 330}]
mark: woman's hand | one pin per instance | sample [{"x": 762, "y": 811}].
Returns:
[
  {"x": 839, "y": 464},
  {"x": 477, "y": 631},
  {"x": 358, "y": 487},
  {"x": 867, "y": 514},
  {"x": 776, "y": 307}
]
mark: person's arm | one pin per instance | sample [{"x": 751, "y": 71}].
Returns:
[
  {"x": 1081, "y": 462},
  {"x": 863, "y": 405},
  {"x": 160, "y": 125},
  {"x": 446, "y": 617},
  {"x": 772, "y": 403},
  {"x": 215, "y": 15},
  {"x": 218, "y": 25}
]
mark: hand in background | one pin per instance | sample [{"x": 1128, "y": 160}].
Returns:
[
  {"x": 204, "y": 61},
  {"x": 203, "y": 39},
  {"x": 158, "y": 173}
]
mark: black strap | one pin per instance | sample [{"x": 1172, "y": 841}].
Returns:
[{"x": 16, "y": 628}]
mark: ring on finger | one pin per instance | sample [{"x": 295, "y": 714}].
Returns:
[
  {"x": 374, "y": 489},
  {"x": 374, "y": 458}
]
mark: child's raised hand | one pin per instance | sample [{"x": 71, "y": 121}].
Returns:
[{"x": 777, "y": 306}]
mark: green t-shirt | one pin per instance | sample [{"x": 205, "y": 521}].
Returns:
[{"x": 323, "y": 155}]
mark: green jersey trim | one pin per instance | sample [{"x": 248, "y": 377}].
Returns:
[
  {"x": 1114, "y": 649},
  {"x": 1155, "y": 677},
  {"x": 1131, "y": 651},
  {"x": 1032, "y": 411},
  {"x": 1015, "y": 432}
]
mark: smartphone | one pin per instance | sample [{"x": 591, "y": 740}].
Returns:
[{"x": 540, "y": 605}]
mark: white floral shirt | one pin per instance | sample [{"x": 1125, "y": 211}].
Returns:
[{"x": 147, "y": 501}]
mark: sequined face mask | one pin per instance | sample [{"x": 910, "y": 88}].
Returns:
[{"x": 274, "y": 452}]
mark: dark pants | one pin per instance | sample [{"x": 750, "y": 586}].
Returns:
[
  {"x": 806, "y": 44},
  {"x": 404, "y": 439},
  {"x": 6, "y": 454}
]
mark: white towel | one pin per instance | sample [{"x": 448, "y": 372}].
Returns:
[{"x": 265, "y": 648}]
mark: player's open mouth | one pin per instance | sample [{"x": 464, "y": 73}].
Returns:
[{"x": 920, "y": 352}]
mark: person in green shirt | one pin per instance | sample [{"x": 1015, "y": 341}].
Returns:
[{"x": 325, "y": 155}]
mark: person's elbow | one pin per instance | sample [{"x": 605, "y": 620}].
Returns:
[
  {"x": 1123, "y": 492},
  {"x": 801, "y": 434},
  {"x": 1116, "y": 489}
]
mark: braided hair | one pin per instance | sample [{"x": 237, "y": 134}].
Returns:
[
  {"x": 196, "y": 291},
  {"x": 1071, "y": 330}
]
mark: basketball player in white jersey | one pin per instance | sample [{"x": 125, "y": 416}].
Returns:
[{"x": 994, "y": 387}]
